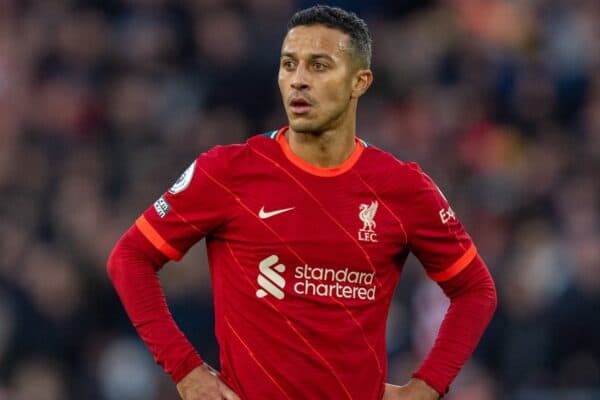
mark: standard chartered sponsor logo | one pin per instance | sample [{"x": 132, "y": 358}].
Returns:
[
  {"x": 329, "y": 282},
  {"x": 270, "y": 281},
  {"x": 343, "y": 283}
]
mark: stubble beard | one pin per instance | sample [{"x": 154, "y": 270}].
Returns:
[
  {"x": 307, "y": 128},
  {"x": 317, "y": 127}
]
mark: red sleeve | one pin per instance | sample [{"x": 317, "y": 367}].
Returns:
[
  {"x": 132, "y": 267},
  {"x": 472, "y": 303},
  {"x": 438, "y": 239},
  {"x": 195, "y": 206}
]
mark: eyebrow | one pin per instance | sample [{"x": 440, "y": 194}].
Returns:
[{"x": 312, "y": 56}]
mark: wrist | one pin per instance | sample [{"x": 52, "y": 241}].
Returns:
[
  {"x": 189, "y": 363},
  {"x": 421, "y": 387}
]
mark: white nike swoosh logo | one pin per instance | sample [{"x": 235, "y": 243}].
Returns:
[{"x": 262, "y": 214}]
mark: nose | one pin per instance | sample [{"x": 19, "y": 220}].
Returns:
[{"x": 299, "y": 79}]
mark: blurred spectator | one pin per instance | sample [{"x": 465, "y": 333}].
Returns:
[
  {"x": 575, "y": 351},
  {"x": 126, "y": 372},
  {"x": 39, "y": 378}
]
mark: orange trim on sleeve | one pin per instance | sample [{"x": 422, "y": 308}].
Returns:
[
  {"x": 154, "y": 237},
  {"x": 313, "y": 169},
  {"x": 455, "y": 268}
]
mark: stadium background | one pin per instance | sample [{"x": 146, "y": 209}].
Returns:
[{"x": 104, "y": 103}]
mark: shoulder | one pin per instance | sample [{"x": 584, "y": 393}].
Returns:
[
  {"x": 404, "y": 175},
  {"x": 220, "y": 155},
  {"x": 225, "y": 154},
  {"x": 227, "y": 159}
]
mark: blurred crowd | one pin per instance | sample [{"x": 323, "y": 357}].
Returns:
[{"x": 103, "y": 103}]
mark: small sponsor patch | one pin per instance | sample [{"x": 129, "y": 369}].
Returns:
[
  {"x": 162, "y": 207},
  {"x": 184, "y": 180},
  {"x": 447, "y": 215}
]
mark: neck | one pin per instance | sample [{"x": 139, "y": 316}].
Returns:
[{"x": 326, "y": 149}]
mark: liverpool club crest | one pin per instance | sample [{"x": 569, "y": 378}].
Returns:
[{"x": 367, "y": 216}]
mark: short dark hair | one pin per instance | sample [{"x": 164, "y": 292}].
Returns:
[{"x": 342, "y": 20}]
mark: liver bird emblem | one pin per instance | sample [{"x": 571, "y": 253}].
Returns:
[{"x": 367, "y": 215}]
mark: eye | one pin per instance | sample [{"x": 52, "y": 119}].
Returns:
[
  {"x": 319, "y": 66},
  {"x": 287, "y": 64}
]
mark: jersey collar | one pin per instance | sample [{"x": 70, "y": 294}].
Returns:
[{"x": 313, "y": 169}]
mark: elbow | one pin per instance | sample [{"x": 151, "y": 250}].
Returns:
[
  {"x": 121, "y": 251},
  {"x": 112, "y": 264},
  {"x": 485, "y": 286},
  {"x": 493, "y": 296},
  {"x": 116, "y": 259},
  {"x": 476, "y": 285},
  {"x": 488, "y": 296}
]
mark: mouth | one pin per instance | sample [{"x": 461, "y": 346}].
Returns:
[{"x": 299, "y": 105}]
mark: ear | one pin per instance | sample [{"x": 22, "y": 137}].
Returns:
[{"x": 363, "y": 78}]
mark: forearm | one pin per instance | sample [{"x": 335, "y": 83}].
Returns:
[
  {"x": 473, "y": 302},
  {"x": 132, "y": 268}
]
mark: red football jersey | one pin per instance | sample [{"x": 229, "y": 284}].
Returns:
[{"x": 304, "y": 260}]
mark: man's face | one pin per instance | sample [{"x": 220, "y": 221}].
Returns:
[{"x": 316, "y": 73}]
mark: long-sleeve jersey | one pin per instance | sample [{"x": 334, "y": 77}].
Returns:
[{"x": 304, "y": 263}]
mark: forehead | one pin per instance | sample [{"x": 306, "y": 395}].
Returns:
[{"x": 316, "y": 39}]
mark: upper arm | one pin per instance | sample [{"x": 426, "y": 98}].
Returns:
[{"x": 435, "y": 234}]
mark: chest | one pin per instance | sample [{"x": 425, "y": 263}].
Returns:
[{"x": 335, "y": 221}]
